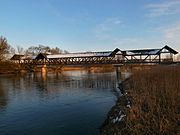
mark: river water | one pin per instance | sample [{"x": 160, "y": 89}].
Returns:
[{"x": 70, "y": 103}]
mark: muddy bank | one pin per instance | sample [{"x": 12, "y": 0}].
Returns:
[{"x": 115, "y": 123}]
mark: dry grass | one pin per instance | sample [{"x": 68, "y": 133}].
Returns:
[{"x": 155, "y": 95}]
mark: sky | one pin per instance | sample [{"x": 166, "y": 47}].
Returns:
[{"x": 91, "y": 25}]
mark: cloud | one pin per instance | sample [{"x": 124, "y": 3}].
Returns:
[
  {"x": 136, "y": 43},
  {"x": 171, "y": 34},
  {"x": 169, "y": 7},
  {"x": 104, "y": 29},
  {"x": 172, "y": 31},
  {"x": 108, "y": 25},
  {"x": 52, "y": 8}
]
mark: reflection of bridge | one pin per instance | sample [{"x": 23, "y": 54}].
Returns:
[{"x": 163, "y": 55}]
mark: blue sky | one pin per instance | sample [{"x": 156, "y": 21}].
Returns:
[{"x": 91, "y": 25}]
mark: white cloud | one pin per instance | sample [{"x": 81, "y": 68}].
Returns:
[
  {"x": 52, "y": 8},
  {"x": 108, "y": 25},
  {"x": 173, "y": 31},
  {"x": 165, "y": 8},
  {"x": 103, "y": 30},
  {"x": 136, "y": 43},
  {"x": 171, "y": 35}
]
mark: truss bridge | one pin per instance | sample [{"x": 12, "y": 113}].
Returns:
[{"x": 163, "y": 55}]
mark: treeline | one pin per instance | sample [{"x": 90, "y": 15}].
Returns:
[
  {"x": 34, "y": 50},
  {"x": 6, "y": 48}
]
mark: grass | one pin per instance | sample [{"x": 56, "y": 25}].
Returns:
[{"x": 155, "y": 97}]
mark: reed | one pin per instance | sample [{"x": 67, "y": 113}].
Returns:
[{"x": 155, "y": 97}]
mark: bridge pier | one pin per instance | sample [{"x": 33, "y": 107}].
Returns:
[
  {"x": 118, "y": 74},
  {"x": 44, "y": 69},
  {"x": 44, "y": 72},
  {"x": 119, "y": 78}
]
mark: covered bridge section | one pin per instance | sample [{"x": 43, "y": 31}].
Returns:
[
  {"x": 117, "y": 56},
  {"x": 77, "y": 58},
  {"x": 162, "y": 55}
]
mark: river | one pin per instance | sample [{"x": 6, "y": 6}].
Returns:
[{"x": 70, "y": 103}]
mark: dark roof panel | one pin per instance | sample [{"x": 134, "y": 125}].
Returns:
[
  {"x": 17, "y": 57},
  {"x": 114, "y": 52},
  {"x": 149, "y": 51},
  {"x": 41, "y": 56},
  {"x": 170, "y": 49}
]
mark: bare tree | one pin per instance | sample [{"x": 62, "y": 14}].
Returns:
[
  {"x": 56, "y": 50},
  {"x": 20, "y": 50},
  {"x": 12, "y": 50},
  {"x": 65, "y": 51},
  {"x": 4, "y": 47},
  {"x": 35, "y": 50}
]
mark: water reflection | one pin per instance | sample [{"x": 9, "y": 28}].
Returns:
[
  {"x": 65, "y": 80},
  {"x": 71, "y": 102},
  {"x": 3, "y": 97},
  {"x": 49, "y": 83}
]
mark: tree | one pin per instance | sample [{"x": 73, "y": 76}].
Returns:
[
  {"x": 4, "y": 47},
  {"x": 56, "y": 50},
  {"x": 35, "y": 50},
  {"x": 12, "y": 50},
  {"x": 20, "y": 50},
  {"x": 65, "y": 51}
]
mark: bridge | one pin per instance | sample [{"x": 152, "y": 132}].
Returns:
[{"x": 163, "y": 55}]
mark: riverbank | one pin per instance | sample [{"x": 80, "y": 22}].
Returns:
[
  {"x": 91, "y": 68},
  {"x": 151, "y": 105},
  {"x": 12, "y": 68},
  {"x": 7, "y": 67}
]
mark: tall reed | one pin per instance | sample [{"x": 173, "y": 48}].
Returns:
[{"x": 155, "y": 95}]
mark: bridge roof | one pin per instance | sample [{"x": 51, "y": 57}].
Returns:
[
  {"x": 78, "y": 55},
  {"x": 149, "y": 51},
  {"x": 88, "y": 54},
  {"x": 21, "y": 57},
  {"x": 170, "y": 49},
  {"x": 142, "y": 52}
]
